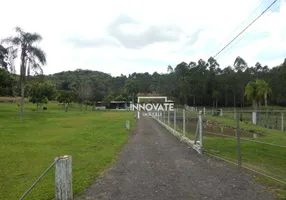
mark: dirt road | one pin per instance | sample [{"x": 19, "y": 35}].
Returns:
[{"x": 155, "y": 165}]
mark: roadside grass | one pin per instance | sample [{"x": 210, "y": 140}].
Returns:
[
  {"x": 270, "y": 160},
  {"x": 92, "y": 138}
]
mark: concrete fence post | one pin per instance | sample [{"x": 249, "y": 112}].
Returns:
[
  {"x": 238, "y": 140},
  {"x": 282, "y": 122},
  {"x": 254, "y": 117},
  {"x": 127, "y": 125},
  {"x": 175, "y": 119},
  {"x": 168, "y": 117},
  {"x": 63, "y": 178},
  {"x": 184, "y": 122},
  {"x": 221, "y": 113},
  {"x": 201, "y": 129},
  {"x": 204, "y": 111}
]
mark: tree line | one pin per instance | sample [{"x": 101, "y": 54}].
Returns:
[{"x": 196, "y": 83}]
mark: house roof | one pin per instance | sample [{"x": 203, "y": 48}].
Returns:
[{"x": 114, "y": 102}]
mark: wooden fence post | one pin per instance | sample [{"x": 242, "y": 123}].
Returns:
[
  {"x": 201, "y": 130},
  {"x": 184, "y": 122},
  {"x": 168, "y": 117},
  {"x": 174, "y": 119},
  {"x": 238, "y": 140},
  {"x": 63, "y": 178},
  {"x": 282, "y": 122}
]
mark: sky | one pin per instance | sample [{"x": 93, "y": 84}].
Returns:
[{"x": 126, "y": 36}]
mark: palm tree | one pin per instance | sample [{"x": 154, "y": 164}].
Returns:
[
  {"x": 257, "y": 91},
  {"x": 32, "y": 57},
  {"x": 263, "y": 90},
  {"x": 251, "y": 93}
]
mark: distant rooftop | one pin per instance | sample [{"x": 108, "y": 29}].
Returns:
[{"x": 114, "y": 102}]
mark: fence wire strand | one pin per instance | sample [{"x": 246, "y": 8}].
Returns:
[{"x": 42, "y": 175}]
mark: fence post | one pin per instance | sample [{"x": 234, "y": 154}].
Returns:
[
  {"x": 282, "y": 122},
  {"x": 201, "y": 129},
  {"x": 221, "y": 113},
  {"x": 168, "y": 117},
  {"x": 238, "y": 140},
  {"x": 164, "y": 117},
  {"x": 254, "y": 117},
  {"x": 174, "y": 119},
  {"x": 127, "y": 125},
  {"x": 63, "y": 178},
  {"x": 204, "y": 110},
  {"x": 184, "y": 122}
]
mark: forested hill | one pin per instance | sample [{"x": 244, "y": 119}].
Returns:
[
  {"x": 195, "y": 83},
  {"x": 64, "y": 80}
]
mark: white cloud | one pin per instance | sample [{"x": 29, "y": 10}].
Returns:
[{"x": 156, "y": 33}]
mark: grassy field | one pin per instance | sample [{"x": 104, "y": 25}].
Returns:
[{"x": 93, "y": 139}]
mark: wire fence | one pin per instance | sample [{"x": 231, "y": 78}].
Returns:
[
  {"x": 250, "y": 145},
  {"x": 271, "y": 119},
  {"x": 235, "y": 140}
]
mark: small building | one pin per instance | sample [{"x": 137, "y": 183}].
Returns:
[
  {"x": 119, "y": 105},
  {"x": 99, "y": 105},
  {"x": 113, "y": 105}
]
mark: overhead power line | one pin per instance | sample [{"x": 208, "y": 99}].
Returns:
[
  {"x": 246, "y": 28},
  {"x": 236, "y": 28},
  {"x": 176, "y": 86},
  {"x": 247, "y": 33}
]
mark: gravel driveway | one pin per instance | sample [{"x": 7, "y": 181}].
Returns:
[{"x": 155, "y": 165}]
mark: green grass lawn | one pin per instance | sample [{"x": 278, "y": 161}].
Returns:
[{"x": 92, "y": 139}]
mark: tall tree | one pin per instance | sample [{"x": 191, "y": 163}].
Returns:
[
  {"x": 3, "y": 57},
  {"x": 31, "y": 56},
  {"x": 263, "y": 90},
  {"x": 84, "y": 92},
  {"x": 239, "y": 64},
  {"x": 131, "y": 88}
]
